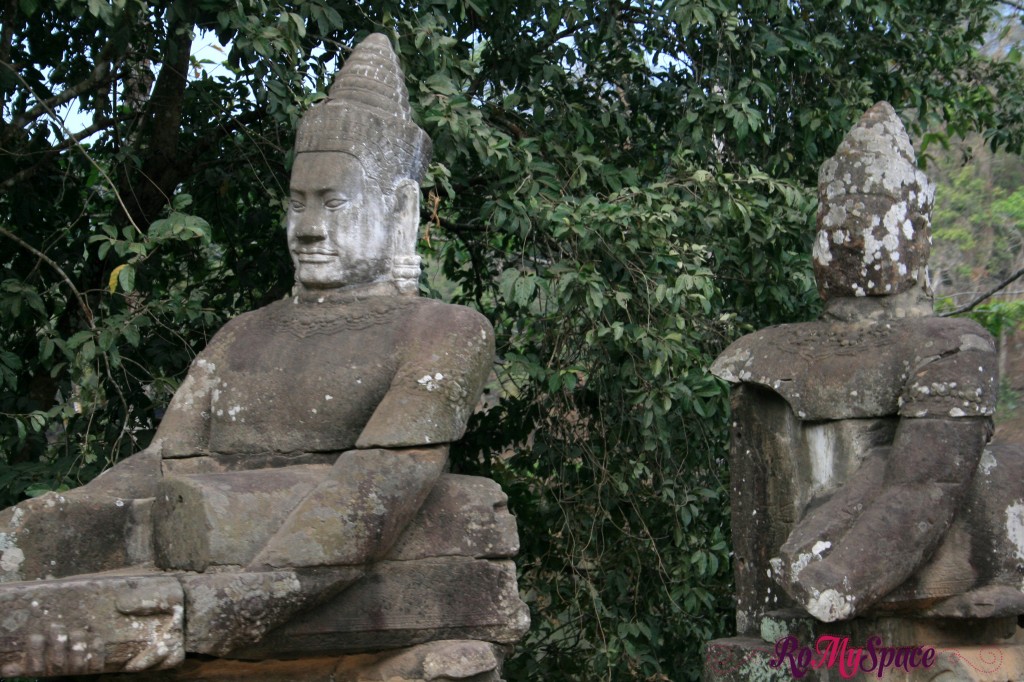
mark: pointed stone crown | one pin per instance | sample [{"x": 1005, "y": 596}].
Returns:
[
  {"x": 874, "y": 208},
  {"x": 367, "y": 114}
]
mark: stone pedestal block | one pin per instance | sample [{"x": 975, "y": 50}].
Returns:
[
  {"x": 475, "y": 506},
  {"x": 402, "y": 603},
  {"x": 225, "y": 518},
  {"x": 232, "y": 608}
]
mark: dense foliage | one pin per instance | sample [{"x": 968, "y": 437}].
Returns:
[
  {"x": 978, "y": 247},
  {"x": 622, "y": 188},
  {"x": 978, "y": 222}
]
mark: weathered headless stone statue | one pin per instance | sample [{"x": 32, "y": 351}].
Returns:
[
  {"x": 861, "y": 482},
  {"x": 304, "y": 451}
]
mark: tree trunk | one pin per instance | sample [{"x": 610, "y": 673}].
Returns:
[{"x": 146, "y": 190}]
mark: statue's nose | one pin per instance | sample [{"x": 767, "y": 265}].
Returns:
[{"x": 310, "y": 227}]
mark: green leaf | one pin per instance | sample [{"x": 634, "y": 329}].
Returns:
[
  {"x": 37, "y": 489},
  {"x": 10, "y": 360},
  {"x": 300, "y": 25},
  {"x": 126, "y": 277},
  {"x": 181, "y": 202},
  {"x": 78, "y": 339},
  {"x": 37, "y": 421},
  {"x": 131, "y": 334},
  {"x": 88, "y": 351}
]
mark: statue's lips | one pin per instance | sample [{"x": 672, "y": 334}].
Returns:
[{"x": 316, "y": 256}]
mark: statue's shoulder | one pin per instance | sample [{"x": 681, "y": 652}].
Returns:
[
  {"x": 446, "y": 340},
  {"x": 836, "y": 370},
  {"x": 955, "y": 373},
  {"x": 444, "y": 359},
  {"x": 238, "y": 326},
  {"x": 954, "y": 334},
  {"x": 817, "y": 368},
  {"x": 771, "y": 352},
  {"x": 434, "y": 308},
  {"x": 439, "y": 319},
  {"x": 254, "y": 317},
  {"x": 768, "y": 352}
]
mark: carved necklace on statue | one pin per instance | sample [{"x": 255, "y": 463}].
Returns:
[
  {"x": 817, "y": 340},
  {"x": 309, "y": 314}
]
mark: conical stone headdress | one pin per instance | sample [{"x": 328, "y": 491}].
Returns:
[
  {"x": 367, "y": 114},
  {"x": 874, "y": 209}
]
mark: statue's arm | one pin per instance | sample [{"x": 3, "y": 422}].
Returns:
[
  {"x": 438, "y": 383},
  {"x": 898, "y": 506},
  {"x": 400, "y": 454},
  {"x": 134, "y": 477},
  {"x": 185, "y": 428},
  {"x": 183, "y": 431}
]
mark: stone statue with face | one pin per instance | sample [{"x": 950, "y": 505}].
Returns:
[
  {"x": 308, "y": 433},
  {"x": 354, "y": 358},
  {"x": 861, "y": 481}
]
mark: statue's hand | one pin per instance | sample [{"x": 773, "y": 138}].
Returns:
[
  {"x": 163, "y": 645},
  {"x": 59, "y": 652},
  {"x": 357, "y": 511}
]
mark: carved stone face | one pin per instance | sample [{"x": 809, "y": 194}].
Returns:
[{"x": 337, "y": 234}]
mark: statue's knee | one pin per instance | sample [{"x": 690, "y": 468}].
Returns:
[{"x": 61, "y": 534}]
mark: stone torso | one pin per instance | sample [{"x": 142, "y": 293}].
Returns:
[
  {"x": 811, "y": 401},
  {"x": 305, "y": 377}
]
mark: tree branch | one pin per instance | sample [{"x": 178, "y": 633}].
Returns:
[
  {"x": 147, "y": 189},
  {"x": 460, "y": 230},
  {"x": 60, "y": 271},
  {"x": 994, "y": 290},
  {"x": 71, "y": 141},
  {"x": 101, "y": 73},
  {"x": 102, "y": 171},
  {"x": 502, "y": 118}
]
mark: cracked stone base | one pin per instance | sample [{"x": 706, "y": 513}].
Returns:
[{"x": 463, "y": 660}]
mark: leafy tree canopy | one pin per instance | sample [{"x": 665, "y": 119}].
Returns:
[{"x": 622, "y": 187}]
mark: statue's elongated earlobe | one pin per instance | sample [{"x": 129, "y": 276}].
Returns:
[{"x": 405, "y": 223}]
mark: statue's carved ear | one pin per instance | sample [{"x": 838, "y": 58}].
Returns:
[
  {"x": 405, "y": 223},
  {"x": 405, "y": 217}
]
